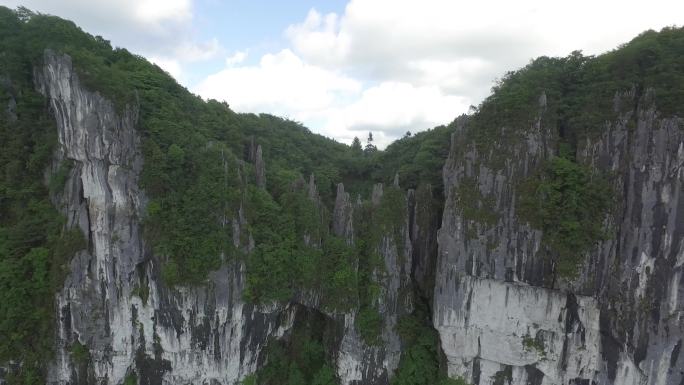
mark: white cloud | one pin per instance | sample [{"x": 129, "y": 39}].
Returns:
[
  {"x": 161, "y": 30},
  {"x": 335, "y": 105},
  {"x": 134, "y": 21},
  {"x": 319, "y": 38},
  {"x": 236, "y": 58},
  {"x": 281, "y": 83},
  {"x": 390, "y": 109},
  {"x": 454, "y": 49},
  {"x": 192, "y": 51},
  {"x": 371, "y": 37},
  {"x": 385, "y": 65},
  {"x": 172, "y": 67},
  {"x": 162, "y": 10}
]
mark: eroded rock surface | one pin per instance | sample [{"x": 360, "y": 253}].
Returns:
[{"x": 500, "y": 313}]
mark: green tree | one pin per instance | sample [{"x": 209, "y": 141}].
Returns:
[
  {"x": 370, "y": 147},
  {"x": 356, "y": 146}
]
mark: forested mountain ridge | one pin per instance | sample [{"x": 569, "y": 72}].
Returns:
[{"x": 150, "y": 237}]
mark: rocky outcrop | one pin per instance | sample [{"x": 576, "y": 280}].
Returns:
[
  {"x": 500, "y": 316},
  {"x": 113, "y": 301},
  {"x": 425, "y": 218},
  {"x": 11, "y": 108},
  {"x": 343, "y": 215},
  {"x": 260, "y": 167},
  {"x": 358, "y": 362}
]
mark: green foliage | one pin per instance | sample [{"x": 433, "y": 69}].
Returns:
[
  {"x": 269, "y": 265},
  {"x": 504, "y": 376},
  {"x": 299, "y": 360},
  {"x": 324, "y": 376},
  {"x": 374, "y": 223},
  {"x": 284, "y": 262},
  {"x": 190, "y": 225},
  {"x": 35, "y": 248},
  {"x": 59, "y": 178},
  {"x": 536, "y": 344},
  {"x": 418, "y": 158},
  {"x": 477, "y": 210},
  {"x": 131, "y": 379},
  {"x": 249, "y": 380},
  {"x": 79, "y": 353},
  {"x": 452, "y": 381},
  {"x": 389, "y": 217},
  {"x": 579, "y": 92},
  {"x": 419, "y": 364},
  {"x": 196, "y": 182},
  {"x": 346, "y": 277},
  {"x": 196, "y": 179},
  {"x": 650, "y": 60},
  {"x": 143, "y": 291},
  {"x": 338, "y": 277},
  {"x": 568, "y": 203},
  {"x": 170, "y": 273},
  {"x": 290, "y": 147},
  {"x": 369, "y": 324}
]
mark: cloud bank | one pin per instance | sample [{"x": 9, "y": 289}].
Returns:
[
  {"x": 161, "y": 30},
  {"x": 387, "y": 66},
  {"x": 391, "y": 66}
]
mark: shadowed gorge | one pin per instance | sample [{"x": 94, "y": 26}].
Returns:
[{"x": 150, "y": 237}]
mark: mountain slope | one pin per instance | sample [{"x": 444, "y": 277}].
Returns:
[{"x": 147, "y": 236}]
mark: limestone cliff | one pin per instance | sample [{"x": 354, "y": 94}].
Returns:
[
  {"x": 621, "y": 321},
  {"x": 166, "y": 336},
  {"x": 498, "y": 319},
  {"x": 459, "y": 254},
  {"x": 113, "y": 301}
]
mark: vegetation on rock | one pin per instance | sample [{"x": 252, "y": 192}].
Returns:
[
  {"x": 200, "y": 179},
  {"x": 35, "y": 246},
  {"x": 300, "y": 359},
  {"x": 568, "y": 202}
]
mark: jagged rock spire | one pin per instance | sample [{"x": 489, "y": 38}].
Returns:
[
  {"x": 343, "y": 215},
  {"x": 313, "y": 190},
  {"x": 260, "y": 167},
  {"x": 376, "y": 195},
  {"x": 251, "y": 150}
]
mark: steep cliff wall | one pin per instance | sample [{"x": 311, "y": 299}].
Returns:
[
  {"x": 113, "y": 302},
  {"x": 400, "y": 285},
  {"x": 501, "y": 316}
]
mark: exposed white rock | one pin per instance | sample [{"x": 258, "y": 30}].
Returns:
[
  {"x": 492, "y": 284},
  {"x": 517, "y": 325},
  {"x": 204, "y": 334},
  {"x": 201, "y": 335}
]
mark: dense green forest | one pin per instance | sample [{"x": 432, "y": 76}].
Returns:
[
  {"x": 566, "y": 198},
  {"x": 179, "y": 176},
  {"x": 188, "y": 144}
]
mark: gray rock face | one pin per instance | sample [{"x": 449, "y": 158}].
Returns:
[
  {"x": 203, "y": 335},
  {"x": 114, "y": 302},
  {"x": 358, "y": 362},
  {"x": 622, "y": 321},
  {"x": 260, "y": 168},
  {"x": 11, "y": 107},
  {"x": 425, "y": 220},
  {"x": 501, "y": 320},
  {"x": 343, "y": 215}
]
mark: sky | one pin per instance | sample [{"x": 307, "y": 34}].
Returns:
[{"x": 344, "y": 68}]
